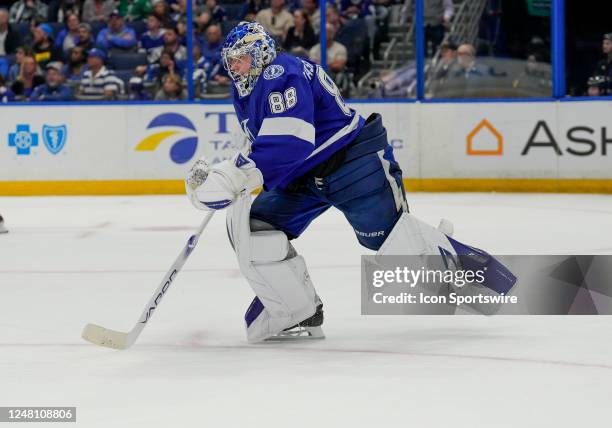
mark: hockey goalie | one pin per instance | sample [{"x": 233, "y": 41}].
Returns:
[{"x": 310, "y": 152}]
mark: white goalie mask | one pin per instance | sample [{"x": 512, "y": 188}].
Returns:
[{"x": 247, "y": 41}]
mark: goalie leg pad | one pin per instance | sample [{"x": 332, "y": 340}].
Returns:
[
  {"x": 279, "y": 278},
  {"x": 411, "y": 236}
]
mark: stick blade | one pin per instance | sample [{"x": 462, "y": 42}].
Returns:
[{"x": 105, "y": 337}]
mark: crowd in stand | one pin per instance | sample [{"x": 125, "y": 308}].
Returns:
[
  {"x": 61, "y": 50},
  {"x": 600, "y": 83}
]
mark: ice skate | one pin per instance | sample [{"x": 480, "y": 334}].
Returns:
[{"x": 310, "y": 328}]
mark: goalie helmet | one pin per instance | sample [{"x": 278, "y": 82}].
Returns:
[{"x": 248, "y": 38}]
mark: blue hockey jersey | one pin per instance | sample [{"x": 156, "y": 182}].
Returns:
[{"x": 295, "y": 118}]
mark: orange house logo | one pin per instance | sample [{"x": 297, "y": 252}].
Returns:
[{"x": 485, "y": 126}]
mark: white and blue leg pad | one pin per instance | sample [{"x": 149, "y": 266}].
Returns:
[
  {"x": 411, "y": 236},
  {"x": 279, "y": 278}
]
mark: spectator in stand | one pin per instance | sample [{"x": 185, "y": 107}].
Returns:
[
  {"x": 604, "y": 67},
  {"x": 301, "y": 37},
  {"x": 379, "y": 25},
  {"x": 212, "y": 44},
  {"x": 4, "y": 66},
  {"x": 172, "y": 43},
  {"x": 43, "y": 47},
  {"x": 86, "y": 40},
  {"x": 153, "y": 37},
  {"x": 250, "y": 9},
  {"x": 336, "y": 60},
  {"x": 6, "y": 95},
  {"x": 98, "y": 81},
  {"x": 52, "y": 89},
  {"x": 448, "y": 61},
  {"x": 311, "y": 8},
  {"x": 60, "y": 10},
  {"x": 333, "y": 18},
  {"x": 181, "y": 11},
  {"x": 135, "y": 10},
  {"x": 171, "y": 90},
  {"x": 97, "y": 10},
  {"x": 162, "y": 11},
  {"x": 75, "y": 66},
  {"x": 117, "y": 35},
  {"x": 9, "y": 39},
  {"x": 353, "y": 9},
  {"x": 217, "y": 13},
  {"x": 275, "y": 19},
  {"x": 28, "y": 11},
  {"x": 211, "y": 54},
  {"x": 166, "y": 65},
  {"x": 181, "y": 30},
  {"x": 20, "y": 53},
  {"x": 597, "y": 86},
  {"x": 205, "y": 70},
  {"x": 533, "y": 76},
  {"x": 69, "y": 36},
  {"x": 437, "y": 17},
  {"x": 336, "y": 52},
  {"x": 137, "y": 90},
  {"x": 467, "y": 67},
  {"x": 29, "y": 78}
]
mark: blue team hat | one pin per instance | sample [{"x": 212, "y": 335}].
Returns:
[
  {"x": 97, "y": 52},
  {"x": 116, "y": 12},
  {"x": 47, "y": 29}
]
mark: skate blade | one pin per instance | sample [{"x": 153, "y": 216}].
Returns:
[{"x": 300, "y": 333}]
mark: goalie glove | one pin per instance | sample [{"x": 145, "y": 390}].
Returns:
[{"x": 214, "y": 187}]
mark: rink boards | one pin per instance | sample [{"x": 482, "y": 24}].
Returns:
[{"x": 138, "y": 149}]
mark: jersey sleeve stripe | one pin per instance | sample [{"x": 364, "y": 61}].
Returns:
[
  {"x": 288, "y": 126},
  {"x": 337, "y": 136}
]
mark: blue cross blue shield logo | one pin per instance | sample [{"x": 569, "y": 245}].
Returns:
[
  {"x": 23, "y": 140},
  {"x": 54, "y": 137}
]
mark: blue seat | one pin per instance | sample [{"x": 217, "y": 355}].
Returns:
[
  {"x": 96, "y": 26},
  {"x": 233, "y": 11},
  {"x": 10, "y": 59},
  {"x": 126, "y": 60},
  {"x": 227, "y": 25},
  {"x": 139, "y": 27},
  {"x": 4, "y": 66},
  {"x": 57, "y": 27},
  {"x": 124, "y": 75},
  {"x": 23, "y": 29}
]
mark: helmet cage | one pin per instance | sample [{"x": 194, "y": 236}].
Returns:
[{"x": 256, "y": 44}]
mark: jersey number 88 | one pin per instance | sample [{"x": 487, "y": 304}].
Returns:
[{"x": 281, "y": 102}]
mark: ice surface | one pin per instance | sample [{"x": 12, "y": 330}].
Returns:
[{"x": 70, "y": 261}]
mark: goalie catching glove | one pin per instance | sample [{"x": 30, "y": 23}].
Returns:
[{"x": 214, "y": 187}]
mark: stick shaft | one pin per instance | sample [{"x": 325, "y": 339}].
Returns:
[
  {"x": 119, "y": 340},
  {"x": 167, "y": 280}
]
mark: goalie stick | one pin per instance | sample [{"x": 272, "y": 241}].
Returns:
[{"x": 118, "y": 340}]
